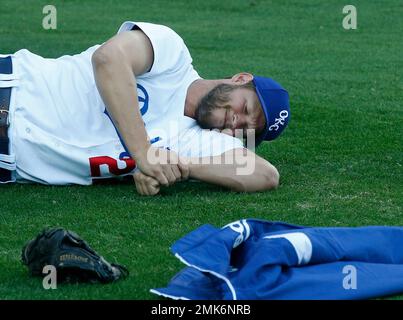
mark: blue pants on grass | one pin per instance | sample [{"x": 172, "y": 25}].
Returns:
[{"x": 257, "y": 259}]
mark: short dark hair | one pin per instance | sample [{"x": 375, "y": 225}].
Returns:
[{"x": 218, "y": 97}]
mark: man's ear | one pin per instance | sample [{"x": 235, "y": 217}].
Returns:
[{"x": 242, "y": 78}]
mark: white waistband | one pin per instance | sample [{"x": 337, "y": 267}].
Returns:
[
  {"x": 8, "y": 166},
  {"x": 8, "y": 76},
  {"x": 7, "y": 158},
  {"x": 9, "y": 83},
  {"x": 8, "y": 161}
]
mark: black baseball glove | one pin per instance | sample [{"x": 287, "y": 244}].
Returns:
[{"x": 73, "y": 258}]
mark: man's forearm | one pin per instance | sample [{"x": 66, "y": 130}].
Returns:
[
  {"x": 117, "y": 86},
  {"x": 262, "y": 176},
  {"x": 116, "y": 64}
]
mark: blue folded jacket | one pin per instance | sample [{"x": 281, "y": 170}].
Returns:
[{"x": 256, "y": 259}]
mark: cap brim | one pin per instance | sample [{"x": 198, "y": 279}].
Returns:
[{"x": 260, "y": 138}]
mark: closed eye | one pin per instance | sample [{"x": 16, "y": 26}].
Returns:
[{"x": 225, "y": 120}]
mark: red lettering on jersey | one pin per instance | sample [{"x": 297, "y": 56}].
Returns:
[{"x": 96, "y": 162}]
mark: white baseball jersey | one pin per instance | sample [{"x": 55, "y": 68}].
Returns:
[{"x": 59, "y": 129}]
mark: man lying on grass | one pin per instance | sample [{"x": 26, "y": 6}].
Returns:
[{"x": 135, "y": 106}]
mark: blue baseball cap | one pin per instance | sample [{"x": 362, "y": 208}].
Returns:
[{"x": 276, "y": 107}]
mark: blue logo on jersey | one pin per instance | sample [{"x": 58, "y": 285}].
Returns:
[
  {"x": 143, "y": 105},
  {"x": 143, "y": 99}
]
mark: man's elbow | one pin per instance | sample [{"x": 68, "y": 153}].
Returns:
[
  {"x": 100, "y": 57},
  {"x": 258, "y": 174},
  {"x": 105, "y": 55},
  {"x": 265, "y": 177},
  {"x": 272, "y": 177}
]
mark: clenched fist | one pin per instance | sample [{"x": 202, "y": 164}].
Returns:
[{"x": 147, "y": 185}]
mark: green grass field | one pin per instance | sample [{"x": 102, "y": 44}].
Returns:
[{"x": 340, "y": 159}]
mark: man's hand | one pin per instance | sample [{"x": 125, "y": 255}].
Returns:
[
  {"x": 161, "y": 163},
  {"x": 145, "y": 185}
]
